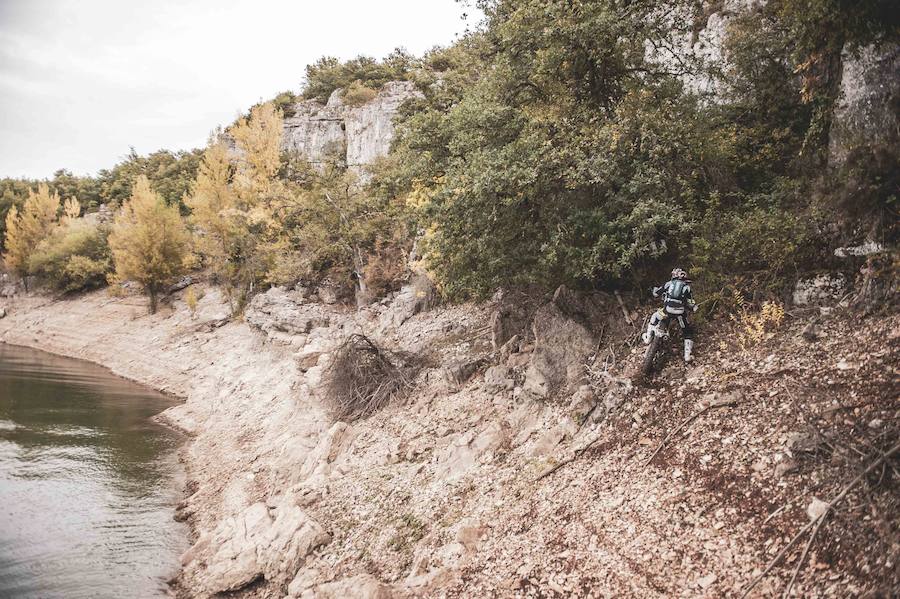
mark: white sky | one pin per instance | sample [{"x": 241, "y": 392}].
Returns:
[{"x": 82, "y": 80}]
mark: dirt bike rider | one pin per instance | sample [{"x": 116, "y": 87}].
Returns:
[{"x": 677, "y": 301}]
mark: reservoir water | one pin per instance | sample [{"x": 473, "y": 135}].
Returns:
[{"x": 88, "y": 482}]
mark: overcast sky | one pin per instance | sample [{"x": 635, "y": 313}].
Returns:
[{"x": 83, "y": 80}]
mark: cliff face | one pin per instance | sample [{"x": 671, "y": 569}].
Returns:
[
  {"x": 869, "y": 100},
  {"x": 355, "y": 134},
  {"x": 866, "y": 107}
]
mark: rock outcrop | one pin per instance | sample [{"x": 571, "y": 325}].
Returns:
[
  {"x": 866, "y": 109},
  {"x": 355, "y": 135},
  {"x": 865, "y": 112},
  {"x": 567, "y": 332}
]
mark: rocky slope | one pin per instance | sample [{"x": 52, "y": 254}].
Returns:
[{"x": 464, "y": 489}]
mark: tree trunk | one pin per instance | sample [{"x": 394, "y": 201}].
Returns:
[
  {"x": 362, "y": 290},
  {"x": 152, "y": 292}
]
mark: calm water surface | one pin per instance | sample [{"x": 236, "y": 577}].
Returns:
[{"x": 88, "y": 483}]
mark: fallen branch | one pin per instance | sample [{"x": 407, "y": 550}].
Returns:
[
  {"x": 683, "y": 425},
  {"x": 812, "y": 537},
  {"x": 624, "y": 309},
  {"x": 568, "y": 460},
  {"x": 831, "y": 505}
]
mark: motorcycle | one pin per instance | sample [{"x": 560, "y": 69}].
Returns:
[{"x": 654, "y": 355}]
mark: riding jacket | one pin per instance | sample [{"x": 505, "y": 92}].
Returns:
[{"x": 676, "y": 296}]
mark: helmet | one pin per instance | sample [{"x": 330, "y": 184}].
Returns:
[{"x": 679, "y": 273}]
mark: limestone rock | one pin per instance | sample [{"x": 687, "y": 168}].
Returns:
[
  {"x": 181, "y": 283},
  {"x": 258, "y": 542},
  {"x": 333, "y": 290},
  {"x": 370, "y": 127},
  {"x": 865, "y": 112},
  {"x": 362, "y": 586},
  {"x": 497, "y": 378},
  {"x": 509, "y": 319},
  {"x": 469, "y": 448},
  {"x": 418, "y": 296},
  {"x": 470, "y": 533},
  {"x": 561, "y": 347},
  {"x": 355, "y": 136},
  {"x": 279, "y": 310},
  {"x": 461, "y": 371},
  {"x": 821, "y": 289},
  {"x": 315, "y": 131},
  {"x": 581, "y": 404}
]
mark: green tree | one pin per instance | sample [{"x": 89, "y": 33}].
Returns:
[{"x": 74, "y": 256}]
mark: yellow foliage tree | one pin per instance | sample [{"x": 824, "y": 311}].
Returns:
[
  {"x": 259, "y": 152},
  {"x": 72, "y": 208},
  {"x": 149, "y": 241},
  {"x": 24, "y": 231},
  {"x": 233, "y": 200}
]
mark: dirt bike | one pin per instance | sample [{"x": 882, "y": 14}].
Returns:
[{"x": 654, "y": 356}]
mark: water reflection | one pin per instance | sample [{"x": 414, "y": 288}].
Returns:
[{"x": 87, "y": 482}]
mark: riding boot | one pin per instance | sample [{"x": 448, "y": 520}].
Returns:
[
  {"x": 652, "y": 327},
  {"x": 688, "y": 348}
]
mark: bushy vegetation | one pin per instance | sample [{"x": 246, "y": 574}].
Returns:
[
  {"x": 170, "y": 175},
  {"x": 74, "y": 257},
  {"x": 56, "y": 246},
  {"x": 362, "y": 73},
  {"x": 549, "y": 147},
  {"x": 559, "y": 152}
]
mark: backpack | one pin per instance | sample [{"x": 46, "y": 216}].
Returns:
[{"x": 676, "y": 290}]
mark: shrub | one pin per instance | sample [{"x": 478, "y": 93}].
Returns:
[
  {"x": 74, "y": 257},
  {"x": 363, "y": 378},
  {"x": 755, "y": 249},
  {"x": 328, "y": 73},
  {"x": 754, "y": 325},
  {"x": 191, "y": 299},
  {"x": 357, "y": 94}
]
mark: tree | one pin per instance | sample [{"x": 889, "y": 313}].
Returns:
[
  {"x": 233, "y": 201},
  {"x": 72, "y": 208},
  {"x": 24, "y": 231},
  {"x": 259, "y": 143},
  {"x": 149, "y": 241}
]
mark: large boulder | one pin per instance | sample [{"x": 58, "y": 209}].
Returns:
[
  {"x": 564, "y": 339},
  {"x": 361, "y": 586},
  {"x": 822, "y": 289},
  {"x": 370, "y": 127},
  {"x": 279, "y": 310},
  {"x": 271, "y": 543},
  {"x": 512, "y": 312},
  {"x": 419, "y": 295},
  {"x": 354, "y": 135},
  {"x": 866, "y": 109}
]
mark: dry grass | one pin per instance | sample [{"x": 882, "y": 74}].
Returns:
[{"x": 363, "y": 378}]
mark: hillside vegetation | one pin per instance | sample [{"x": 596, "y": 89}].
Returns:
[{"x": 551, "y": 146}]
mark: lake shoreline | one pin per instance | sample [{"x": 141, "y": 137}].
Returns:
[
  {"x": 171, "y": 354},
  {"x": 79, "y": 428}
]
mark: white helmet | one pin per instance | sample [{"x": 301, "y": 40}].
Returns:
[{"x": 679, "y": 273}]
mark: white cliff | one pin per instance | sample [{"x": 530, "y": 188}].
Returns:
[{"x": 356, "y": 135}]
